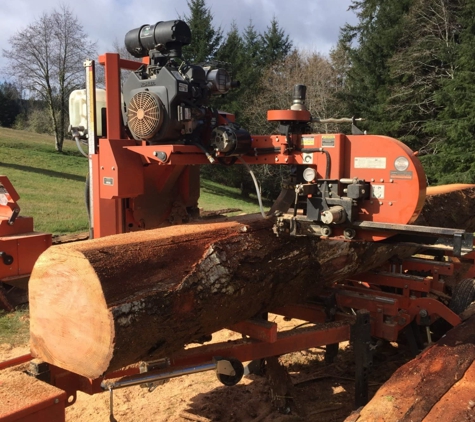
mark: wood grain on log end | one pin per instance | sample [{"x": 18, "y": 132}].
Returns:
[{"x": 70, "y": 313}]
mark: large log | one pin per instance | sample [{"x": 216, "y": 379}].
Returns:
[
  {"x": 449, "y": 206},
  {"x": 99, "y": 305},
  {"x": 438, "y": 385}
]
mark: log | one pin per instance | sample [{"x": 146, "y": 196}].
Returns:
[
  {"x": 449, "y": 206},
  {"x": 438, "y": 385},
  {"x": 99, "y": 305}
]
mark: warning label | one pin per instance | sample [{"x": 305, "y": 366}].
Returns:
[{"x": 370, "y": 162}]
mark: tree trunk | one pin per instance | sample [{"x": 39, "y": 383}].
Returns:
[
  {"x": 99, "y": 305},
  {"x": 438, "y": 385}
]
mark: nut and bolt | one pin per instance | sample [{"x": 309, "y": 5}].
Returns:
[{"x": 423, "y": 313}]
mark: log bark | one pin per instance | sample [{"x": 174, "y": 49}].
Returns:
[
  {"x": 99, "y": 305},
  {"x": 438, "y": 385},
  {"x": 449, "y": 206}
]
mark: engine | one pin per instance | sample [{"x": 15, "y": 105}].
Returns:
[{"x": 167, "y": 100}]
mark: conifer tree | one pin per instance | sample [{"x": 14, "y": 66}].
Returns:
[
  {"x": 276, "y": 44},
  {"x": 205, "y": 38}
]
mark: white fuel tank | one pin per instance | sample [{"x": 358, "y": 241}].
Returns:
[{"x": 78, "y": 108}]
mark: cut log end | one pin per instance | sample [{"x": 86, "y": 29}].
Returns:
[{"x": 70, "y": 314}]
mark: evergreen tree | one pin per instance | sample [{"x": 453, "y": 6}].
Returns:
[
  {"x": 453, "y": 158},
  {"x": 205, "y": 38},
  {"x": 231, "y": 55},
  {"x": 370, "y": 44},
  {"x": 275, "y": 44},
  {"x": 427, "y": 57},
  {"x": 10, "y": 104}
]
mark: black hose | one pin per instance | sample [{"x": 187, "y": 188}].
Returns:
[
  {"x": 202, "y": 148},
  {"x": 327, "y": 154}
]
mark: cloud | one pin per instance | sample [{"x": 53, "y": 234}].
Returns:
[{"x": 311, "y": 24}]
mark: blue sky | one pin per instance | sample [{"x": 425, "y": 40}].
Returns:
[{"x": 311, "y": 24}]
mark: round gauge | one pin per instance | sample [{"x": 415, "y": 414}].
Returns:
[
  {"x": 401, "y": 163},
  {"x": 309, "y": 174}
]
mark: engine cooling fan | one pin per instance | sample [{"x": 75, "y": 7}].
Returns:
[{"x": 145, "y": 115}]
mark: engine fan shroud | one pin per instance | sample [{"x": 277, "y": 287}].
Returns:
[{"x": 145, "y": 115}]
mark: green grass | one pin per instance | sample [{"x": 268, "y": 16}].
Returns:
[
  {"x": 51, "y": 184},
  {"x": 14, "y": 327},
  {"x": 215, "y": 197}
]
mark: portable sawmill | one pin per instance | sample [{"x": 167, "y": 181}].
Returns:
[{"x": 346, "y": 195}]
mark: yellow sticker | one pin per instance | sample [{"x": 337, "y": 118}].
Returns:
[{"x": 308, "y": 140}]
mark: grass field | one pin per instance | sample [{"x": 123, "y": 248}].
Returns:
[{"x": 51, "y": 184}]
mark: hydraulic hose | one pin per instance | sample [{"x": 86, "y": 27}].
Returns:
[
  {"x": 256, "y": 184},
  {"x": 78, "y": 144},
  {"x": 327, "y": 154}
]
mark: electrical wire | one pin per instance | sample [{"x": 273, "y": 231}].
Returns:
[{"x": 256, "y": 184}]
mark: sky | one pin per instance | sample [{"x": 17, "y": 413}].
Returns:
[{"x": 311, "y": 24}]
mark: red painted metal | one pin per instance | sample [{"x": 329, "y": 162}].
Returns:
[
  {"x": 15, "y": 361},
  {"x": 18, "y": 239},
  {"x": 289, "y": 115},
  {"x": 258, "y": 330}
]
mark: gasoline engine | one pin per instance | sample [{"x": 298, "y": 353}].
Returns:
[{"x": 167, "y": 100}]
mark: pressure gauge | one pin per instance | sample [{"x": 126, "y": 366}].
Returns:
[{"x": 309, "y": 174}]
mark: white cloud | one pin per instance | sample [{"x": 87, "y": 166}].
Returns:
[{"x": 310, "y": 24}]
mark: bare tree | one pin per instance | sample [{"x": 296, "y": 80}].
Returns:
[
  {"x": 315, "y": 71},
  {"x": 275, "y": 92},
  {"x": 47, "y": 56}
]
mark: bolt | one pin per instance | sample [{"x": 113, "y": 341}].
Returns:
[
  {"x": 390, "y": 203},
  {"x": 382, "y": 180},
  {"x": 102, "y": 167},
  {"x": 276, "y": 159},
  {"x": 286, "y": 160},
  {"x": 380, "y": 203},
  {"x": 113, "y": 168},
  {"x": 406, "y": 286},
  {"x": 363, "y": 191},
  {"x": 56, "y": 401},
  {"x": 372, "y": 180},
  {"x": 391, "y": 181},
  {"x": 155, "y": 153},
  {"x": 423, "y": 313}
]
